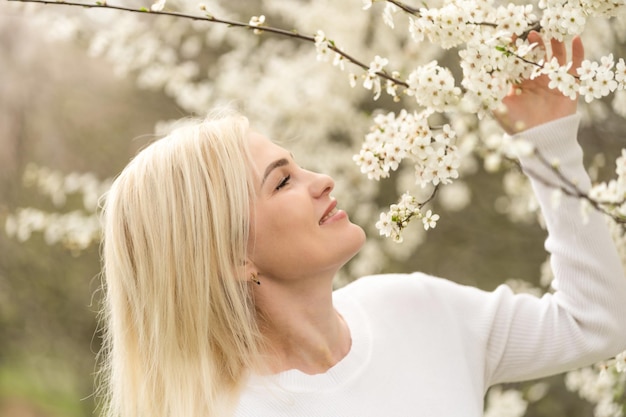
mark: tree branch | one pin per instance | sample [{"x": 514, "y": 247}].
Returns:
[
  {"x": 569, "y": 188},
  {"x": 233, "y": 23}
]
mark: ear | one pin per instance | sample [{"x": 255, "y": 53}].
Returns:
[{"x": 250, "y": 271}]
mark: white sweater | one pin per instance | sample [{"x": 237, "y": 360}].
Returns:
[{"x": 424, "y": 346}]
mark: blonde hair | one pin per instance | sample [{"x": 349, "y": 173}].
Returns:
[{"x": 178, "y": 315}]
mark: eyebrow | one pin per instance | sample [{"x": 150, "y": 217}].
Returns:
[{"x": 276, "y": 164}]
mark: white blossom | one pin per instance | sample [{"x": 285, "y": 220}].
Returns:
[
  {"x": 505, "y": 403},
  {"x": 596, "y": 384},
  {"x": 430, "y": 220},
  {"x": 322, "y": 46},
  {"x": 620, "y": 362},
  {"x": 158, "y": 6},
  {"x": 433, "y": 87},
  {"x": 408, "y": 136},
  {"x": 388, "y": 12},
  {"x": 392, "y": 223},
  {"x": 620, "y": 73},
  {"x": 563, "y": 81},
  {"x": 257, "y": 21}
]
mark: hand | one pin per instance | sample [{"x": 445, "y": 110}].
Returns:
[{"x": 531, "y": 103}]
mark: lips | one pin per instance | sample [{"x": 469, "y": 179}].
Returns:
[{"x": 330, "y": 211}]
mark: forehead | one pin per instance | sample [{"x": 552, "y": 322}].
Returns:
[{"x": 263, "y": 151}]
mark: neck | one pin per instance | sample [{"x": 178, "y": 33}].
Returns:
[{"x": 302, "y": 329}]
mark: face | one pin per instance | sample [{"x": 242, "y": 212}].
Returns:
[{"x": 297, "y": 229}]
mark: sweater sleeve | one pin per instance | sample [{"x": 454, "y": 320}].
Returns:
[{"x": 584, "y": 320}]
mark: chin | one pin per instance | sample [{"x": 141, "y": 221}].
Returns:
[{"x": 358, "y": 237}]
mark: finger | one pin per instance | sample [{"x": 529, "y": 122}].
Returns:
[
  {"x": 558, "y": 51},
  {"x": 578, "y": 54},
  {"x": 535, "y": 37}
]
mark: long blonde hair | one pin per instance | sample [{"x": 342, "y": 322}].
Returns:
[{"x": 178, "y": 315}]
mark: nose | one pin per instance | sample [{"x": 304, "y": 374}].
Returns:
[{"x": 321, "y": 184}]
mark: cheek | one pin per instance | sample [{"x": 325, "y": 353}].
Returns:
[
  {"x": 265, "y": 234},
  {"x": 277, "y": 234},
  {"x": 273, "y": 230}
]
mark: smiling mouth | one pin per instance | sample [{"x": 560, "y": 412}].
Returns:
[{"x": 329, "y": 215}]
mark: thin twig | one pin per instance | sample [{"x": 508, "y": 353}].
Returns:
[
  {"x": 569, "y": 188},
  {"x": 233, "y": 23},
  {"x": 431, "y": 196},
  {"x": 408, "y": 9},
  {"x": 577, "y": 192}
]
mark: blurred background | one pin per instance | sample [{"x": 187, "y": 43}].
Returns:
[
  {"x": 69, "y": 112},
  {"x": 62, "y": 110}
]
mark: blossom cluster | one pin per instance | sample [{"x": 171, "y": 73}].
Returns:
[
  {"x": 494, "y": 53},
  {"x": 594, "y": 80},
  {"x": 560, "y": 19},
  {"x": 603, "y": 384},
  {"x": 505, "y": 403},
  {"x": 58, "y": 186},
  {"x": 491, "y": 64},
  {"x": 408, "y": 136},
  {"x": 436, "y": 159},
  {"x": 371, "y": 79},
  {"x": 433, "y": 87},
  {"x": 612, "y": 194},
  {"x": 392, "y": 223},
  {"x": 490, "y": 58},
  {"x": 76, "y": 229}
]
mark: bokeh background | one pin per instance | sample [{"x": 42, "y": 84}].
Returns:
[{"x": 65, "y": 110}]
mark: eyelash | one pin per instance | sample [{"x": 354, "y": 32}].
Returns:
[{"x": 283, "y": 182}]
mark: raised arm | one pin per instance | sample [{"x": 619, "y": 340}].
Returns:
[{"x": 585, "y": 319}]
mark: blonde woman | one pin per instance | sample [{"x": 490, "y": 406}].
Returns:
[{"x": 219, "y": 256}]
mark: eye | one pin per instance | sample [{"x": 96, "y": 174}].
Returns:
[{"x": 283, "y": 182}]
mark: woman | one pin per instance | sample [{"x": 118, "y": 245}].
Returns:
[{"x": 219, "y": 255}]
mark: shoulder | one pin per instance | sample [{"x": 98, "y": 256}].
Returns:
[
  {"x": 401, "y": 283},
  {"x": 415, "y": 291},
  {"x": 403, "y": 307}
]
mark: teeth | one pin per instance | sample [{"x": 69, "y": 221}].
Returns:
[{"x": 330, "y": 213}]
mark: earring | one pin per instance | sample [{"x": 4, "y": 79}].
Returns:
[{"x": 254, "y": 278}]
